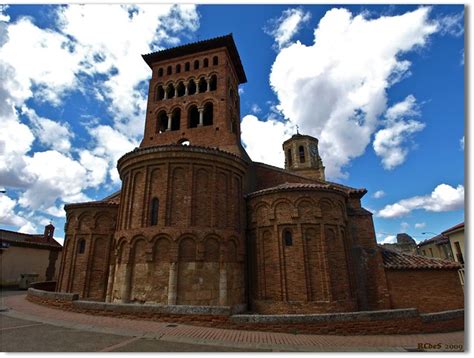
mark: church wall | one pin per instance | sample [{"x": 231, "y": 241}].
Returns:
[
  {"x": 311, "y": 274},
  {"x": 372, "y": 292},
  {"x": 194, "y": 254},
  {"x": 88, "y": 238}
]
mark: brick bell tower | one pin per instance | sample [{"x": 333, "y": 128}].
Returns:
[
  {"x": 302, "y": 156},
  {"x": 193, "y": 97}
]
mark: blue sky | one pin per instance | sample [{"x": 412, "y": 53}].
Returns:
[{"x": 382, "y": 87}]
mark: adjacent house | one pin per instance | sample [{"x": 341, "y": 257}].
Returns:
[
  {"x": 455, "y": 235},
  {"x": 27, "y": 258}
]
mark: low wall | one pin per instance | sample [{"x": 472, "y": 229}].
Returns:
[
  {"x": 54, "y": 299},
  {"x": 44, "y": 286},
  {"x": 397, "y": 321},
  {"x": 427, "y": 290}
]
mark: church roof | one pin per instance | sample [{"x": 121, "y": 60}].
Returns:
[
  {"x": 399, "y": 261},
  {"x": 296, "y": 186},
  {"x": 226, "y": 41}
]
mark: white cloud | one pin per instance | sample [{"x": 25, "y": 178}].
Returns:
[
  {"x": 284, "y": 28},
  {"x": 111, "y": 145},
  {"x": 7, "y": 212},
  {"x": 420, "y": 225},
  {"x": 443, "y": 198},
  {"x": 3, "y": 16},
  {"x": 255, "y": 109},
  {"x": 378, "y": 194},
  {"x": 262, "y": 148},
  {"x": 51, "y": 133},
  {"x": 404, "y": 225},
  {"x": 407, "y": 107},
  {"x": 335, "y": 89},
  {"x": 461, "y": 143},
  {"x": 389, "y": 142},
  {"x": 389, "y": 239},
  {"x": 452, "y": 24}
]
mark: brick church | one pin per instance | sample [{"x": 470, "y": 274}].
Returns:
[{"x": 198, "y": 223}]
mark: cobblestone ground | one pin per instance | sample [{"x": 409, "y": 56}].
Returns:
[{"x": 81, "y": 332}]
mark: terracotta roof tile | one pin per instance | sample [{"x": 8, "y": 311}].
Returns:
[
  {"x": 455, "y": 227},
  {"x": 295, "y": 186},
  {"x": 36, "y": 239},
  {"x": 399, "y": 261}
]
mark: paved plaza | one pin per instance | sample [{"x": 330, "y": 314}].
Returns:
[{"x": 52, "y": 330}]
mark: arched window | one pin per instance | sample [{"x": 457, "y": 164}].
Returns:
[
  {"x": 208, "y": 114},
  {"x": 213, "y": 83},
  {"x": 290, "y": 159},
  {"x": 202, "y": 85},
  {"x": 160, "y": 93},
  {"x": 191, "y": 87},
  {"x": 181, "y": 89},
  {"x": 82, "y": 246},
  {"x": 175, "y": 119},
  {"x": 215, "y": 61},
  {"x": 184, "y": 141},
  {"x": 169, "y": 70},
  {"x": 170, "y": 91},
  {"x": 155, "y": 204},
  {"x": 287, "y": 238},
  {"x": 193, "y": 117},
  {"x": 162, "y": 123},
  {"x": 301, "y": 151},
  {"x": 233, "y": 127},
  {"x": 187, "y": 66},
  {"x": 206, "y": 63},
  {"x": 178, "y": 68},
  {"x": 160, "y": 72},
  {"x": 232, "y": 95},
  {"x": 196, "y": 65}
]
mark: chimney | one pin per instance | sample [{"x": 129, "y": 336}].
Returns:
[{"x": 48, "y": 232}]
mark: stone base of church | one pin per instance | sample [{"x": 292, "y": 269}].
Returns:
[{"x": 396, "y": 321}]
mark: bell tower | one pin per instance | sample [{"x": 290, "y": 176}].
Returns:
[
  {"x": 193, "y": 96},
  {"x": 302, "y": 156}
]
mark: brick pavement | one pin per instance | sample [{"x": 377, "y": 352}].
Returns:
[{"x": 19, "y": 307}]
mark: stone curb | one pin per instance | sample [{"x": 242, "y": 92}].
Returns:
[
  {"x": 144, "y": 308},
  {"x": 53, "y": 295},
  {"x": 309, "y": 318},
  {"x": 442, "y": 316}
]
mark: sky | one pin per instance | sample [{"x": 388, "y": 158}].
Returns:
[{"x": 380, "y": 86}]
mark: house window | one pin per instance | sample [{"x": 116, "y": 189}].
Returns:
[
  {"x": 287, "y": 238},
  {"x": 459, "y": 253},
  {"x": 82, "y": 246},
  {"x": 155, "y": 203}
]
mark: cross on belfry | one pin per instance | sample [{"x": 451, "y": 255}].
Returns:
[{"x": 297, "y": 129}]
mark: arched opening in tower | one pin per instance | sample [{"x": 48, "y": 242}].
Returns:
[
  {"x": 170, "y": 91},
  {"x": 162, "y": 122},
  {"x": 301, "y": 150},
  {"x": 208, "y": 114},
  {"x": 193, "y": 117},
  {"x": 191, "y": 87},
  {"x": 175, "y": 119},
  {"x": 181, "y": 89},
  {"x": 160, "y": 93},
  {"x": 213, "y": 83},
  {"x": 202, "y": 85}
]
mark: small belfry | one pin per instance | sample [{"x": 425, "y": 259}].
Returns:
[{"x": 302, "y": 156}]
